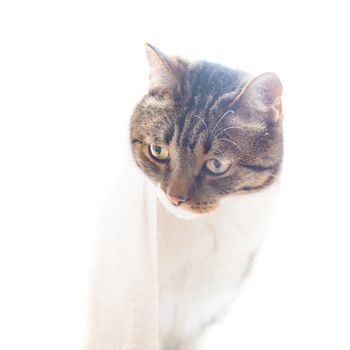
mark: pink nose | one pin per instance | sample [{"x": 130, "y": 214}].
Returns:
[{"x": 175, "y": 200}]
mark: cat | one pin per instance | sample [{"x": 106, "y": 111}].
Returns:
[{"x": 210, "y": 140}]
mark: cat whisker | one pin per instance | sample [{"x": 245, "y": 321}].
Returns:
[
  {"x": 202, "y": 120},
  {"x": 150, "y": 127},
  {"x": 231, "y": 127},
  {"x": 166, "y": 116},
  {"x": 166, "y": 126},
  {"x": 158, "y": 117},
  {"x": 222, "y": 117},
  {"x": 234, "y": 143}
]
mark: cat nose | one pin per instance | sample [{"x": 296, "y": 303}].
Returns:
[{"x": 176, "y": 200}]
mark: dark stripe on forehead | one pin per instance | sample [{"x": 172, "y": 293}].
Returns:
[
  {"x": 211, "y": 102},
  {"x": 208, "y": 116},
  {"x": 180, "y": 125},
  {"x": 190, "y": 103},
  {"x": 216, "y": 85},
  {"x": 204, "y": 123},
  {"x": 208, "y": 144},
  {"x": 168, "y": 136},
  {"x": 187, "y": 134},
  {"x": 198, "y": 107},
  {"x": 194, "y": 105},
  {"x": 207, "y": 83}
]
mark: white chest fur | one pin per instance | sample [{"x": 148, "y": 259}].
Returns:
[{"x": 203, "y": 261}]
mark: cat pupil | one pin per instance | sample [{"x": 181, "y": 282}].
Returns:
[
  {"x": 158, "y": 149},
  {"x": 217, "y": 163}
]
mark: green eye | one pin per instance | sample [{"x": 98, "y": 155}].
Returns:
[
  {"x": 216, "y": 166},
  {"x": 159, "y": 152}
]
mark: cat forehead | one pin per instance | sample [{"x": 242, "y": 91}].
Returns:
[
  {"x": 188, "y": 130},
  {"x": 191, "y": 147}
]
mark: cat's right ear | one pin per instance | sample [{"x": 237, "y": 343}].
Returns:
[
  {"x": 261, "y": 96},
  {"x": 164, "y": 71}
]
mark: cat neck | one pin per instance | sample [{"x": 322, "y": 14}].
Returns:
[{"x": 246, "y": 214}]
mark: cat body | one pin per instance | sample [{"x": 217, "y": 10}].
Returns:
[
  {"x": 203, "y": 262},
  {"x": 209, "y": 138}
]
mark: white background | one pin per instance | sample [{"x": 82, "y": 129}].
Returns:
[{"x": 70, "y": 75}]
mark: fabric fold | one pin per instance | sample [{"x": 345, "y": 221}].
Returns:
[{"x": 124, "y": 294}]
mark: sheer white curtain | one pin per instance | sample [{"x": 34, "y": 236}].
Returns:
[{"x": 124, "y": 298}]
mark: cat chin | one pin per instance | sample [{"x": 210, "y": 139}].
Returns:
[{"x": 179, "y": 212}]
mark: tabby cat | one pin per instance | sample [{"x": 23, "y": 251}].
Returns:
[{"x": 210, "y": 140}]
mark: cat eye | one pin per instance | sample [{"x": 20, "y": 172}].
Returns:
[
  {"x": 216, "y": 166},
  {"x": 157, "y": 152}
]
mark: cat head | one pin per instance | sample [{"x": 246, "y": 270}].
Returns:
[{"x": 205, "y": 132}]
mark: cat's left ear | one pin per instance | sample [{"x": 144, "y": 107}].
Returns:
[
  {"x": 165, "y": 72},
  {"x": 262, "y": 97}
]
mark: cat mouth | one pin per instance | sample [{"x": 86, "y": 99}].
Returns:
[
  {"x": 191, "y": 205},
  {"x": 190, "y": 210},
  {"x": 194, "y": 208},
  {"x": 187, "y": 210},
  {"x": 201, "y": 208}
]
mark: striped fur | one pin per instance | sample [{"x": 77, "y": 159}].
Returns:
[
  {"x": 199, "y": 111},
  {"x": 203, "y": 110}
]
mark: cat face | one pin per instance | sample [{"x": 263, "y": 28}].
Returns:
[{"x": 205, "y": 132}]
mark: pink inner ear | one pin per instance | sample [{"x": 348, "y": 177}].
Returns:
[{"x": 277, "y": 108}]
